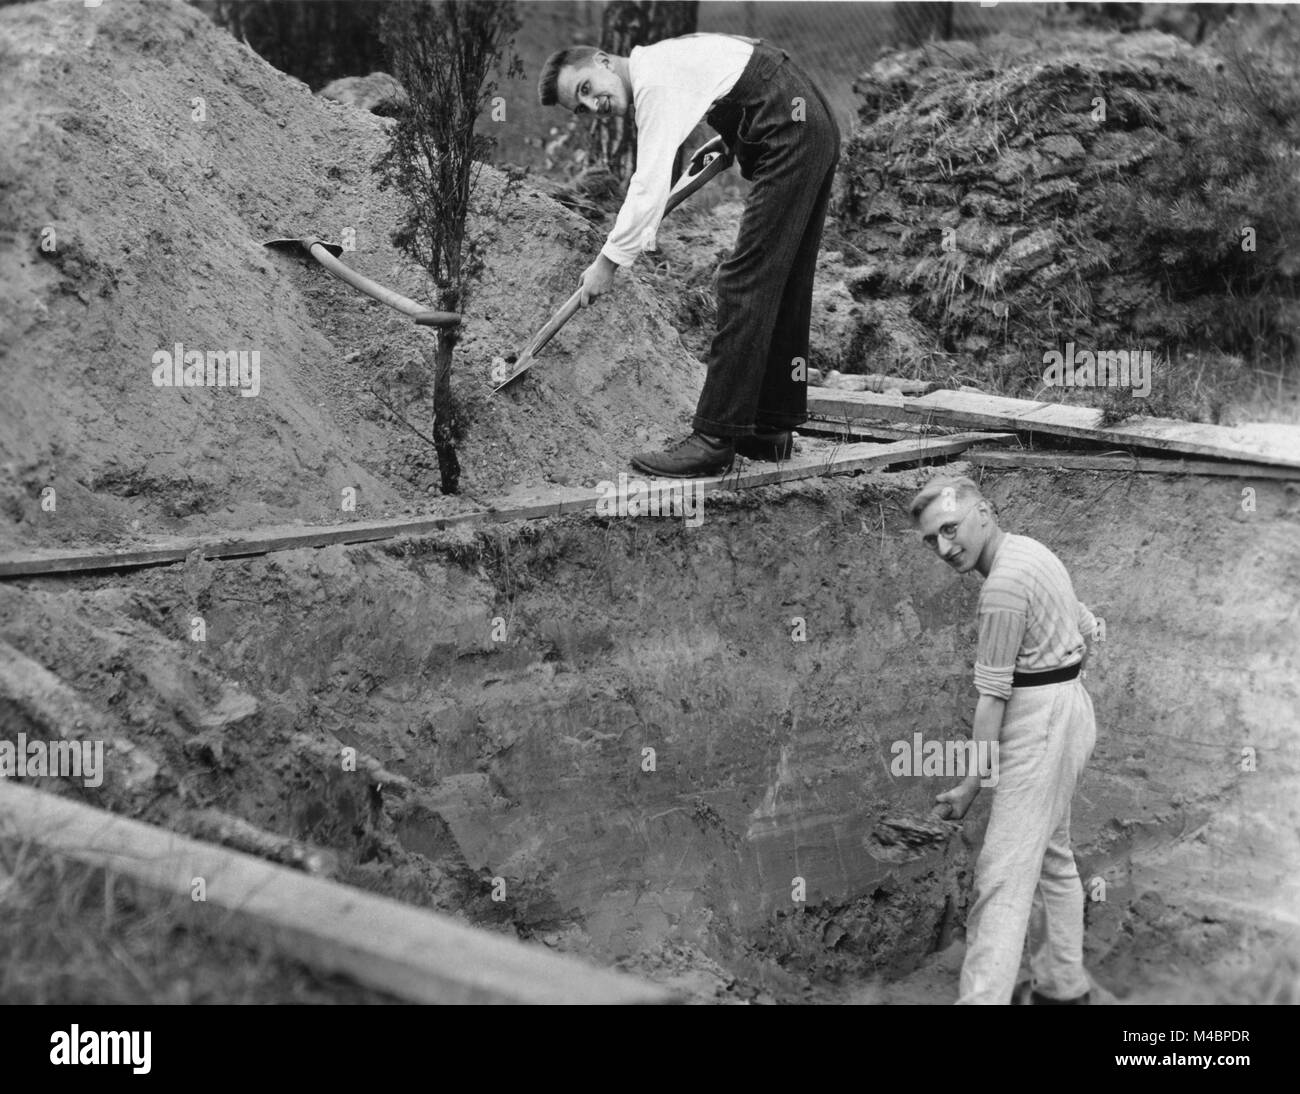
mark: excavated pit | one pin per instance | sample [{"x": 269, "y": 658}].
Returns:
[{"x": 501, "y": 689}]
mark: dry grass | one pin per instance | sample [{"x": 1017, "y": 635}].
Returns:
[{"x": 74, "y": 934}]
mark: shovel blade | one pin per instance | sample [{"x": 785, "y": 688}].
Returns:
[
  {"x": 304, "y": 244},
  {"x": 516, "y": 370}
]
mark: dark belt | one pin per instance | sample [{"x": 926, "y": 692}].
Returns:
[
  {"x": 727, "y": 115},
  {"x": 1052, "y": 676},
  {"x": 764, "y": 61}
]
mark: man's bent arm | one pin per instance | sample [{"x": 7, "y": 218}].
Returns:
[
  {"x": 989, "y": 713},
  {"x": 665, "y": 118},
  {"x": 1001, "y": 629}
]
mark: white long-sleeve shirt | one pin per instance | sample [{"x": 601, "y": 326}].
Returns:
[{"x": 674, "y": 83}]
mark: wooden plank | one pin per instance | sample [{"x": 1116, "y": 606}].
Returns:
[
  {"x": 850, "y": 457},
  {"x": 409, "y": 952},
  {"x": 828, "y": 402},
  {"x": 1082, "y": 461},
  {"x": 285, "y": 537},
  {"x": 1277, "y": 445},
  {"x": 839, "y": 459},
  {"x": 293, "y": 537},
  {"x": 862, "y": 430},
  {"x": 870, "y": 381},
  {"x": 555, "y": 503}
]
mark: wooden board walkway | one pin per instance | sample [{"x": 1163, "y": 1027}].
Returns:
[
  {"x": 836, "y": 404},
  {"x": 1083, "y": 461},
  {"x": 408, "y": 952},
  {"x": 860, "y": 430},
  {"x": 842, "y": 459},
  {"x": 1267, "y": 443}
]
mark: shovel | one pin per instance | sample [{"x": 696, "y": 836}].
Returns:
[
  {"x": 327, "y": 255},
  {"x": 714, "y": 164}
]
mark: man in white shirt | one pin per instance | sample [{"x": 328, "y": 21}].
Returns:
[{"x": 778, "y": 125}]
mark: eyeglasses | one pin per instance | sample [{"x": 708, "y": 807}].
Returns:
[{"x": 948, "y": 531}]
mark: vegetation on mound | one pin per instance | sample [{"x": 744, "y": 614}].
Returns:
[
  {"x": 1122, "y": 192},
  {"x": 444, "y": 55}
]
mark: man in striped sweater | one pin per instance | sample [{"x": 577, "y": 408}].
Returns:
[{"x": 1034, "y": 637}]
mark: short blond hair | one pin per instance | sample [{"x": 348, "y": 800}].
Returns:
[{"x": 963, "y": 489}]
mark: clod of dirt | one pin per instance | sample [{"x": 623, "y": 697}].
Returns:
[
  {"x": 902, "y": 838},
  {"x": 378, "y": 93}
]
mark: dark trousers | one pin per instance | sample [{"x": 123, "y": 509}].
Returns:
[{"x": 786, "y": 142}]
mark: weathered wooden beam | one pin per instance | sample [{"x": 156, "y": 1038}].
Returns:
[
  {"x": 829, "y": 402},
  {"x": 551, "y": 503},
  {"x": 408, "y": 952},
  {"x": 232, "y": 545},
  {"x": 870, "y": 381},
  {"x": 1269, "y": 443},
  {"x": 1081, "y": 461},
  {"x": 862, "y": 430},
  {"x": 853, "y": 457}
]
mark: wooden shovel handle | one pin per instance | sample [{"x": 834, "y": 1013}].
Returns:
[
  {"x": 713, "y": 165},
  {"x": 567, "y": 311}
]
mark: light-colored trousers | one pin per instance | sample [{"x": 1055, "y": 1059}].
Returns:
[{"x": 1025, "y": 876}]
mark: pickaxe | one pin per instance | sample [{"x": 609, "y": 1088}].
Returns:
[{"x": 327, "y": 255}]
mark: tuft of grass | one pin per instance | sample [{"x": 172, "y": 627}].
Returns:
[{"x": 1207, "y": 386}]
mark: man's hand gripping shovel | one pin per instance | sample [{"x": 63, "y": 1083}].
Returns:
[{"x": 710, "y": 163}]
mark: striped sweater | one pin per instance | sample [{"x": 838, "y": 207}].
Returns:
[{"x": 1029, "y": 617}]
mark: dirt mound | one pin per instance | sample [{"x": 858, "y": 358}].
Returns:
[
  {"x": 148, "y": 155},
  {"x": 980, "y": 203},
  {"x": 379, "y": 92}
]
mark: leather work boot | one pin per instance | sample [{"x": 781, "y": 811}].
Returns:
[
  {"x": 1025, "y": 995},
  {"x": 766, "y": 446},
  {"x": 694, "y": 457}
]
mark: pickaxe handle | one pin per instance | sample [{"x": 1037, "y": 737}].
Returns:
[{"x": 407, "y": 306}]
